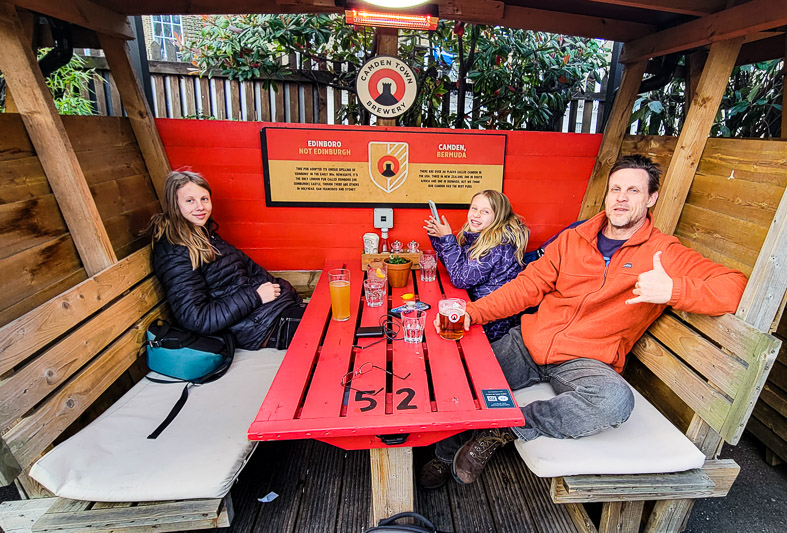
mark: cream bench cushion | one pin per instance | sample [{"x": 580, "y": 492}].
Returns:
[
  {"x": 646, "y": 443},
  {"x": 198, "y": 455}
]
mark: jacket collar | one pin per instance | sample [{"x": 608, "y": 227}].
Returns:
[
  {"x": 470, "y": 237},
  {"x": 589, "y": 230}
]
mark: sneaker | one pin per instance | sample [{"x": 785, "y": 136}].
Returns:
[
  {"x": 434, "y": 474},
  {"x": 471, "y": 458}
]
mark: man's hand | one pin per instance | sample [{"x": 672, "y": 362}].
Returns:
[
  {"x": 654, "y": 286},
  {"x": 268, "y": 292},
  {"x": 437, "y": 323}
]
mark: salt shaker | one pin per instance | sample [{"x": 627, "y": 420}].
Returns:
[
  {"x": 396, "y": 247},
  {"x": 412, "y": 247}
]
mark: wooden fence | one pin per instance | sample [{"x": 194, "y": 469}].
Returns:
[{"x": 298, "y": 98}]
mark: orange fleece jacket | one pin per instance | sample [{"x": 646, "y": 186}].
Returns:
[{"x": 582, "y": 310}]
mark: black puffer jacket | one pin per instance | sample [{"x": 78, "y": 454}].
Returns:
[{"x": 222, "y": 294}]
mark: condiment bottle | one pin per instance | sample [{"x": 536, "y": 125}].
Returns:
[{"x": 384, "y": 247}]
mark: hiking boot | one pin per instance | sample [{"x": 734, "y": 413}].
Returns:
[
  {"x": 434, "y": 474},
  {"x": 471, "y": 458}
]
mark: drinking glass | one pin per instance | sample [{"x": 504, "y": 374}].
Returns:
[
  {"x": 339, "y": 284},
  {"x": 377, "y": 272},
  {"x": 375, "y": 292},
  {"x": 428, "y": 265},
  {"x": 452, "y": 318},
  {"x": 413, "y": 323}
]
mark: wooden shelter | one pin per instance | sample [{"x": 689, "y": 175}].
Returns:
[{"x": 75, "y": 192}]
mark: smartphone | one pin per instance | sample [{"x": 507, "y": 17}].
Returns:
[
  {"x": 419, "y": 306},
  {"x": 434, "y": 212},
  {"x": 369, "y": 331}
]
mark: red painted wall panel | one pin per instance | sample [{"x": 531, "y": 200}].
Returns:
[{"x": 545, "y": 178}]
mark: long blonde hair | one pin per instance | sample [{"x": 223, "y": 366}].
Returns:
[
  {"x": 507, "y": 227},
  {"x": 173, "y": 226}
]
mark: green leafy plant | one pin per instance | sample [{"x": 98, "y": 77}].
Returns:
[
  {"x": 520, "y": 79},
  {"x": 397, "y": 260},
  {"x": 751, "y": 106},
  {"x": 68, "y": 85}
]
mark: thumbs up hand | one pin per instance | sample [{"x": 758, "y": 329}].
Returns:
[{"x": 653, "y": 286}]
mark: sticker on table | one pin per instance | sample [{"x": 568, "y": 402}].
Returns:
[{"x": 498, "y": 398}]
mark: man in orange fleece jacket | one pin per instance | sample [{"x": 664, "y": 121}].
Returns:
[{"x": 599, "y": 286}]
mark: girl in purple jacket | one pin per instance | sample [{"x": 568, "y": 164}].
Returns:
[{"x": 487, "y": 253}]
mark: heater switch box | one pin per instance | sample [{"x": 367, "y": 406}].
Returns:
[{"x": 383, "y": 217}]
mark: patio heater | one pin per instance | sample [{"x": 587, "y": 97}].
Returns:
[{"x": 406, "y": 14}]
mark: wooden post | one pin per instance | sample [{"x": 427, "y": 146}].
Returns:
[
  {"x": 52, "y": 145},
  {"x": 615, "y": 129},
  {"x": 695, "y": 62},
  {"x": 621, "y": 517},
  {"x": 139, "y": 114},
  {"x": 764, "y": 297},
  {"x": 28, "y": 21},
  {"x": 387, "y": 44},
  {"x": 784, "y": 90},
  {"x": 392, "y": 468},
  {"x": 694, "y": 134},
  {"x": 670, "y": 515},
  {"x": 392, "y": 481}
]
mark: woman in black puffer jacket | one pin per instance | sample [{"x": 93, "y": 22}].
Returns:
[{"x": 211, "y": 285}]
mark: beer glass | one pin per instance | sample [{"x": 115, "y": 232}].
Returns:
[
  {"x": 452, "y": 318},
  {"x": 339, "y": 284}
]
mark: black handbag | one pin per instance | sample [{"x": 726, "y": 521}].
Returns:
[
  {"x": 187, "y": 358},
  {"x": 389, "y": 525}
]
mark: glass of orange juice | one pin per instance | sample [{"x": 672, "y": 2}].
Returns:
[{"x": 339, "y": 284}]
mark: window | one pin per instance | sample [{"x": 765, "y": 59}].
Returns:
[{"x": 165, "y": 27}]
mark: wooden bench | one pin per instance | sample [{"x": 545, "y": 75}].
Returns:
[
  {"x": 57, "y": 361},
  {"x": 705, "y": 374}
]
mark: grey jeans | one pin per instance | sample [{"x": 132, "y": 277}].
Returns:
[{"x": 591, "y": 396}]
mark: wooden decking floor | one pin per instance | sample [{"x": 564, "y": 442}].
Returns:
[{"x": 324, "y": 489}]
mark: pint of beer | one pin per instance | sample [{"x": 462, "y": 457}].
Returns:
[
  {"x": 452, "y": 318},
  {"x": 339, "y": 285}
]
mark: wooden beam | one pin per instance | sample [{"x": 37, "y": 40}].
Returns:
[
  {"x": 762, "y": 50},
  {"x": 621, "y": 517},
  {"x": 387, "y": 44},
  {"x": 684, "y": 7},
  {"x": 552, "y": 21},
  {"x": 139, "y": 114},
  {"x": 694, "y": 134},
  {"x": 28, "y": 21},
  {"x": 82, "y": 13},
  {"x": 392, "y": 481},
  {"x": 738, "y": 21},
  {"x": 695, "y": 62},
  {"x": 784, "y": 91},
  {"x": 761, "y": 304},
  {"x": 461, "y": 9},
  {"x": 52, "y": 145},
  {"x": 615, "y": 129},
  {"x": 211, "y": 7}
]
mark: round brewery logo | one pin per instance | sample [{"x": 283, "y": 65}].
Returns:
[{"x": 386, "y": 86}]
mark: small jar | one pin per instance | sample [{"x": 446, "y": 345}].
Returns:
[
  {"x": 396, "y": 247},
  {"x": 412, "y": 247}
]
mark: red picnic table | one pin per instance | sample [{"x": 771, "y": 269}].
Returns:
[{"x": 408, "y": 395}]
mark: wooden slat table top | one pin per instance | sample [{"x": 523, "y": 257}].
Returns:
[{"x": 441, "y": 395}]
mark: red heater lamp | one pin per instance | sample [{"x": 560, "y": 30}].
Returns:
[{"x": 415, "y": 21}]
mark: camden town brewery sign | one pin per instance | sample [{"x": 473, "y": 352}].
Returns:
[{"x": 386, "y": 86}]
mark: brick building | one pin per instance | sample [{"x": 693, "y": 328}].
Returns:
[{"x": 160, "y": 31}]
